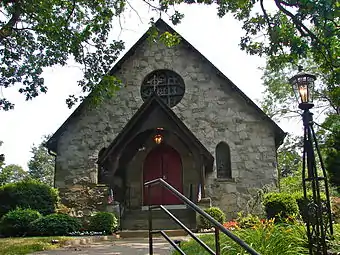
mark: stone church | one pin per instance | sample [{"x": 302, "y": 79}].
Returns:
[{"x": 177, "y": 117}]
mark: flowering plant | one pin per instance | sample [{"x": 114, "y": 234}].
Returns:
[{"x": 231, "y": 225}]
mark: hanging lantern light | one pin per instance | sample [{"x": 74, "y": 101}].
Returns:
[
  {"x": 158, "y": 139},
  {"x": 303, "y": 86}
]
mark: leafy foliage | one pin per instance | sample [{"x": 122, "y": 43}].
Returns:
[
  {"x": 36, "y": 34},
  {"x": 291, "y": 184},
  {"x": 332, "y": 160},
  {"x": 214, "y": 212},
  {"x": 41, "y": 165},
  {"x": 280, "y": 205},
  {"x": 16, "y": 222},
  {"x": 289, "y": 158},
  {"x": 303, "y": 202},
  {"x": 103, "y": 222},
  {"x": 12, "y": 173},
  {"x": 247, "y": 221},
  {"x": 28, "y": 194},
  {"x": 265, "y": 237},
  {"x": 54, "y": 225}
]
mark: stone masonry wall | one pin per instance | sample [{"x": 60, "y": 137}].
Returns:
[{"x": 210, "y": 108}]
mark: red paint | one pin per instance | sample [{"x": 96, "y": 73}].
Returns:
[{"x": 163, "y": 162}]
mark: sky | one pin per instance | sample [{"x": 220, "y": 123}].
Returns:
[{"x": 216, "y": 38}]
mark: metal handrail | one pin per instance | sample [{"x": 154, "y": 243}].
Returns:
[
  {"x": 193, "y": 206},
  {"x": 206, "y": 247}
]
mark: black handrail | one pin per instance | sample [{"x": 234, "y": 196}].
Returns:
[
  {"x": 206, "y": 247},
  {"x": 193, "y": 206}
]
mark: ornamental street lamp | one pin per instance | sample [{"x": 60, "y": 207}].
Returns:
[{"x": 318, "y": 216}]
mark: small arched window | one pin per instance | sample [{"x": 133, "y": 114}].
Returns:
[
  {"x": 223, "y": 163},
  {"x": 101, "y": 171}
]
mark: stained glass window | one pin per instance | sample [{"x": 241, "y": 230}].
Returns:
[
  {"x": 223, "y": 163},
  {"x": 102, "y": 172},
  {"x": 168, "y": 85}
]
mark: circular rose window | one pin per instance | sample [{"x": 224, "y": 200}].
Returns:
[{"x": 168, "y": 85}]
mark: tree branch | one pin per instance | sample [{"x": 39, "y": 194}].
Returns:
[
  {"x": 72, "y": 11},
  {"x": 305, "y": 31},
  {"x": 132, "y": 8},
  {"x": 6, "y": 30}
]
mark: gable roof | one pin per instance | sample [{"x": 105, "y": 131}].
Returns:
[
  {"x": 119, "y": 143},
  {"x": 160, "y": 24}
]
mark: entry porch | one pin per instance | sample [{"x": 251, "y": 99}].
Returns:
[{"x": 154, "y": 144}]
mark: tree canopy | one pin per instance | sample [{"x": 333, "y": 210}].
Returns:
[
  {"x": 41, "y": 165},
  {"x": 12, "y": 173},
  {"x": 36, "y": 34}
]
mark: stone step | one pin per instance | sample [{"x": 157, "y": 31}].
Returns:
[
  {"x": 145, "y": 233},
  {"x": 157, "y": 214},
  {"x": 160, "y": 220}
]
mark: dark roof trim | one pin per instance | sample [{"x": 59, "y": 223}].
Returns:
[
  {"x": 161, "y": 24},
  {"x": 138, "y": 117}
]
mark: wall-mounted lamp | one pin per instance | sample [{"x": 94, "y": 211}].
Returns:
[{"x": 158, "y": 139}]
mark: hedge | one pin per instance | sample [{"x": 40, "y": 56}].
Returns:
[
  {"x": 54, "y": 225},
  {"x": 280, "y": 205},
  {"x": 28, "y": 194}
]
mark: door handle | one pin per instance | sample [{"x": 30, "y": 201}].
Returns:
[{"x": 164, "y": 177}]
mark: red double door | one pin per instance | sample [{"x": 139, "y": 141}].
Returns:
[{"x": 163, "y": 162}]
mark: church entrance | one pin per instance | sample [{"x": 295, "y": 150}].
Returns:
[{"x": 163, "y": 162}]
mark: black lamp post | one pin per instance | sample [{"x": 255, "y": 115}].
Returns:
[{"x": 318, "y": 216}]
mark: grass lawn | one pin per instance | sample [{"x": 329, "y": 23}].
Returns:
[
  {"x": 25, "y": 245},
  {"x": 266, "y": 240}
]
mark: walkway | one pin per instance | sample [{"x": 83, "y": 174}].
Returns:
[{"x": 129, "y": 246}]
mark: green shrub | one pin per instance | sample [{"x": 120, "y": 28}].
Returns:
[
  {"x": 55, "y": 225},
  {"x": 16, "y": 223},
  {"x": 302, "y": 202},
  {"x": 103, "y": 222},
  {"x": 28, "y": 194},
  {"x": 280, "y": 205},
  {"x": 214, "y": 212}
]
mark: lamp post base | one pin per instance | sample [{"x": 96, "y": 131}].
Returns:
[{"x": 306, "y": 106}]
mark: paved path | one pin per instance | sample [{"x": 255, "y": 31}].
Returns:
[{"x": 131, "y": 246}]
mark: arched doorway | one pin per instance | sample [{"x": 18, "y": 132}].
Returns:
[{"x": 163, "y": 162}]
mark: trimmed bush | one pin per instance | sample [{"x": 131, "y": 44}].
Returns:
[
  {"x": 214, "y": 212},
  {"x": 16, "y": 223},
  {"x": 103, "y": 222},
  {"x": 280, "y": 205},
  {"x": 28, "y": 194},
  {"x": 55, "y": 225}
]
